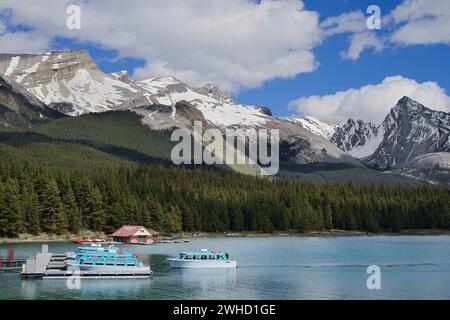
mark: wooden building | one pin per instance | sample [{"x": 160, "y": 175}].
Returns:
[{"x": 133, "y": 235}]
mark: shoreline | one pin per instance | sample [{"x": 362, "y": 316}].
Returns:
[{"x": 245, "y": 234}]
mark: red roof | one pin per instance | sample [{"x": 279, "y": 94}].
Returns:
[{"x": 126, "y": 231}]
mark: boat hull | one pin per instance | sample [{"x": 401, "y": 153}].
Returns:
[
  {"x": 112, "y": 269},
  {"x": 201, "y": 264}
]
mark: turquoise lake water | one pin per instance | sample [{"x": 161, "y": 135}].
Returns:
[{"x": 412, "y": 267}]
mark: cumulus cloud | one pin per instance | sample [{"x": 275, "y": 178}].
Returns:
[
  {"x": 422, "y": 22},
  {"x": 355, "y": 24},
  {"x": 413, "y": 22},
  {"x": 372, "y": 102},
  {"x": 234, "y": 43}
]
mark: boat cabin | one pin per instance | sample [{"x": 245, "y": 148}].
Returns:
[{"x": 204, "y": 255}]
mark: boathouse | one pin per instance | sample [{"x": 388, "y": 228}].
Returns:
[{"x": 134, "y": 235}]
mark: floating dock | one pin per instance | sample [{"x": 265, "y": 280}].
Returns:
[{"x": 46, "y": 265}]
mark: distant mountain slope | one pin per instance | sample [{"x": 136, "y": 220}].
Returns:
[
  {"x": 90, "y": 141},
  {"x": 55, "y": 154},
  {"x": 20, "y": 109},
  {"x": 72, "y": 83},
  {"x": 117, "y": 138},
  {"x": 122, "y": 129},
  {"x": 315, "y": 126},
  {"x": 431, "y": 167}
]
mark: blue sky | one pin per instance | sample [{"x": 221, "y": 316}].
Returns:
[{"x": 417, "y": 62}]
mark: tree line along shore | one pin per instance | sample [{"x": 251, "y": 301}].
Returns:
[{"x": 36, "y": 199}]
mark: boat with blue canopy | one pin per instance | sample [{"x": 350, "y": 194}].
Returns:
[
  {"x": 92, "y": 249},
  {"x": 109, "y": 262}
]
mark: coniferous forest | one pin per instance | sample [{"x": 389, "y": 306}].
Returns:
[{"x": 39, "y": 200}]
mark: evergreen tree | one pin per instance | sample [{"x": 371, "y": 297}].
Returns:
[
  {"x": 94, "y": 209},
  {"x": 11, "y": 214},
  {"x": 53, "y": 215}
]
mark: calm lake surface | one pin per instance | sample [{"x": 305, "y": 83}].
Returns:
[{"x": 412, "y": 267}]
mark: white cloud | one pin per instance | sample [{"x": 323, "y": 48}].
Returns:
[
  {"x": 355, "y": 23},
  {"x": 413, "y": 22},
  {"x": 23, "y": 42},
  {"x": 422, "y": 22},
  {"x": 360, "y": 42},
  {"x": 352, "y": 22},
  {"x": 234, "y": 43},
  {"x": 372, "y": 102}
]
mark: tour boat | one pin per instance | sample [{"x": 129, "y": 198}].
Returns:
[
  {"x": 202, "y": 260},
  {"x": 114, "y": 262},
  {"x": 92, "y": 249}
]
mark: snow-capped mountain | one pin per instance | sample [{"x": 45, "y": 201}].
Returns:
[
  {"x": 315, "y": 126},
  {"x": 357, "y": 138},
  {"x": 72, "y": 83},
  {"x": 70, "y": 79},
  {"x": 217, "y": 107},
  {"x": 410, "y": 130}
]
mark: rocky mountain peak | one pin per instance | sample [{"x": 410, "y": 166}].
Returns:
[
  {"x": 354, "y": 134},
  {"x": 411, "y": 130},
  {"x": 121, "y": 75},
  {"x": 214, "y": 91}
]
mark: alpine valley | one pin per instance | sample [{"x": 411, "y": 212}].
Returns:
[{"x": 62, "y": 101}]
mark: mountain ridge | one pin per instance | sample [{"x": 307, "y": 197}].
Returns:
[{"x": 71, "y": 82}]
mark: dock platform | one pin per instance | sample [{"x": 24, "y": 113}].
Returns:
[{"x": 47, "y": 265}]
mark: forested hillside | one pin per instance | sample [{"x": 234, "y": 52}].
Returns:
[{"x": 37, "y": 199}]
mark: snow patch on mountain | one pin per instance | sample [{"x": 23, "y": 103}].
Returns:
[
  {"x": 315, "y": 126},
  {"x": 217, "y": 107},
  {"x": 12, "y": 65}
]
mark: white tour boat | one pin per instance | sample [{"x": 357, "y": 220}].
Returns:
[{"x": 202, "y": 260}]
